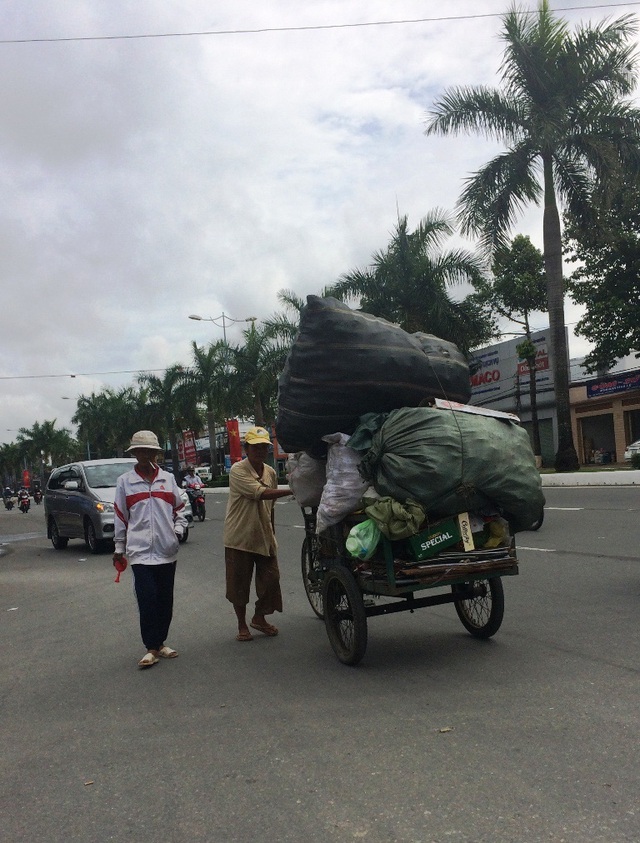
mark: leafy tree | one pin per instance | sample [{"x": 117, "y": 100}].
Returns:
[
  {"x": 517, "y": 289},
  {"x": 256, "y": 366},
  {"x": 208, "y": 377},
  {"x": 107, "y": 419},
  {"x": 11, "y": 462},
  {"x": 44, "y": 444},
  {"x": 170, "y": 407},
  {"x": 568, "y": 133},
  {"x": 607, "y": 280},
  {"x": 408, "y": 283}
]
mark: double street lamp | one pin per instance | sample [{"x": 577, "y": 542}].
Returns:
[{"x": 222, "y": 321}]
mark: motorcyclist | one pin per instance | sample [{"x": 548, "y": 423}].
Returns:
[
  {"x": 7, "y": 492},
  {"x": 193, "y": 484},
  {"x": 191, "y": 479},
  {"x": 23, "y": 493}
]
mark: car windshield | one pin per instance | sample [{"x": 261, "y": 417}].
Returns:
[{"x": 106, "y": 476}]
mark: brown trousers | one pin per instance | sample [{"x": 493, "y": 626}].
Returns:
[{"x": 240, "y": 565}]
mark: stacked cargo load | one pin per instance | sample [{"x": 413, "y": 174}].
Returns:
[{"x": 390, "y": 409}]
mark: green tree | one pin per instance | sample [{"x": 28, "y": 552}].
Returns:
[
  {"x": 209, "y": 379},
  {"x": 170, "y": 408},
  {"x": 408, "y": 283},
  {"x": 569, "y": 132},
  {"x": 607, "y": 280},
  {"x": 106, "y": 420},
  {"x": 44, "y": 444},
  {"x": 257, "y": 365},
  {"x": 518, "y": 289},
  {"x": 11, "y": 463}
]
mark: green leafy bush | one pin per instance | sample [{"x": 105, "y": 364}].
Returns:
[{"x": 635, "y": 461}]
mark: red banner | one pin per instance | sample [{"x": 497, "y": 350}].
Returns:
[
  {"x": 26, "y": 479},
  {"x": 235, "y": 446}
]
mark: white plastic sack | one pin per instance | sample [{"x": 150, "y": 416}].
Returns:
[
  {"x": 344, "y": 487},
  {"x": 306, "y": 477}
]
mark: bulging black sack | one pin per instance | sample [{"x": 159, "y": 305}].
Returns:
[{"x": 345, "y": 363}]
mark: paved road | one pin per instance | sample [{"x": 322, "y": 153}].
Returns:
[{"x": 532, "y": 736}]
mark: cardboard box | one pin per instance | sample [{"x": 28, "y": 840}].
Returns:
[{"x": 440, "y": 535}]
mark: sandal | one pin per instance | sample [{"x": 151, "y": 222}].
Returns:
[
  {"x": 167, "y": 652},
  {"x": 265, "y": 628},
  {"x": 149, "y": 660},
  {"x": 244, "y": 636}
]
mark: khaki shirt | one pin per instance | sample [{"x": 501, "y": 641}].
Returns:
[{"x": 247, "y": 524}]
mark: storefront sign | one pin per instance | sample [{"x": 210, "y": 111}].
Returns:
[
  {"x": 620, "y": 383},
  {"x": 499, "y": 372}
]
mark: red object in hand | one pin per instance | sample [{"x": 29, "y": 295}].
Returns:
[{"x": 120, "y": 565}]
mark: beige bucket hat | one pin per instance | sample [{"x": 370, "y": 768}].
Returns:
[{"x": 144, "y": 439}]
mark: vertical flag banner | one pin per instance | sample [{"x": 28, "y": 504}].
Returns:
[{"x": 235, "y": 447}]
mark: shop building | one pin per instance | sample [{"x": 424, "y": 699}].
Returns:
[
  {"x": 605, "y": 412},
  {"x": 605, "y": 408}
]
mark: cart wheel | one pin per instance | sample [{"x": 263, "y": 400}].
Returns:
[
  {"x": 312, "y": 576},
  {"x": 482, "y": 614},
  {"x": 344, "y": 615}
]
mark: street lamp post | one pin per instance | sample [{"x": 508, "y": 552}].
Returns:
[{"x": 222, "y": 321}]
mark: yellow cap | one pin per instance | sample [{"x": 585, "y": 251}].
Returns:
[{"x": 257, "y": 436}]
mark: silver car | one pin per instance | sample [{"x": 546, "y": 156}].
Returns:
[
  {"x": 632, "y": 450},
  {"x": 78, "y": 502}
]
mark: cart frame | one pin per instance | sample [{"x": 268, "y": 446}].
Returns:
[{"x": 344, "y": 594}]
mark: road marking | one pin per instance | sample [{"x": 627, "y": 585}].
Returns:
[
  {"x": 565, "y": 508},
  {"x": 541, "y": 549}
]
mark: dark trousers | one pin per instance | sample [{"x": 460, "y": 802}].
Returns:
[{"x": 153, "y": 585}]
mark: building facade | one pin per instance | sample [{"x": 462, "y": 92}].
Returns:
[{"x": 605, "y": 409}]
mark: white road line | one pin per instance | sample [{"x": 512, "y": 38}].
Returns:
[
  {"x": 541, "y": 549},
  {"x": 565, "y": 508}
]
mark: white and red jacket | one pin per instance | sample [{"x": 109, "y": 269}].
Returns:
[{"x": 149, "y": 518}]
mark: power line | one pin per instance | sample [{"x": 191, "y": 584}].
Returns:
[
  {"x": 309, "y": 28},
  {"x": 80, "y": 374}
]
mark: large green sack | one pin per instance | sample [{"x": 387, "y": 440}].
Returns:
[{"x": 454, "y": 462}]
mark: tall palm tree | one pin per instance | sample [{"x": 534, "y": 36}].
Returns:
[
  {"x": 254, "y": 380},
  {"x": 170, "y": 407},
  {"x": 209, "y": 377},
  {"x": 44, "y": 444},
  {"x": 568, "y": 131},
  {"x": 408, "y": 283}
]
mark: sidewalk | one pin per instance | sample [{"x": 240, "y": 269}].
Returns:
[
  {"x": 577, "y": 478},
  {"x": 593, "y": 478}
]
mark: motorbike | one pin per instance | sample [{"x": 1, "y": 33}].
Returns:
[
  {"x": 8, "y": 503},
  {"x": 196, "y": 496},
  {"x": 37, "y": 496},
  {"x": 24, "y": 502}
]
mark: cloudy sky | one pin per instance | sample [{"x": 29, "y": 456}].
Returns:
[{"x": 148, "y": 178}]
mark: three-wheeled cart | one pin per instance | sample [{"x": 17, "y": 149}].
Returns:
[{"x": 345, "y": 592}]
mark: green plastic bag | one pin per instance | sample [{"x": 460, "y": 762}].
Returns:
[{"x": 363, "y": 539}]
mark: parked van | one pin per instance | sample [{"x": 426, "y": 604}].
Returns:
[{"x": 204, "y": 473}]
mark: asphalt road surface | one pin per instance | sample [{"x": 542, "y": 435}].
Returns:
[{"x": 435, "y": 736}]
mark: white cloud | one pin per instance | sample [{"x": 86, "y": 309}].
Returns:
[{"x": 144, "y": 180}]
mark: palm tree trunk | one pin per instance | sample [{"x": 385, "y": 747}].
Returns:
[
  {"x": 213, "y": 450},
  {"x": 566, "y": 456},
  {"x": 173, "y": 440},
  {"x": 533, "y": 400}
]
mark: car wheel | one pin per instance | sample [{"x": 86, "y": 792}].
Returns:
[
  {"x": 58, "y": 541},
  {"x": 93, "y": 542}
]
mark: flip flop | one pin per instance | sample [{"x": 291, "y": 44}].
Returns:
[
  {"x": 167, "y": 653},
  {"x": 244, "y": 636},
  {"x": 148, "y": 661},
  {"x": 266, "y": 629}
]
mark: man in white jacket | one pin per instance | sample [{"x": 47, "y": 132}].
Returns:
[{"x": 149, "y": 521}]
